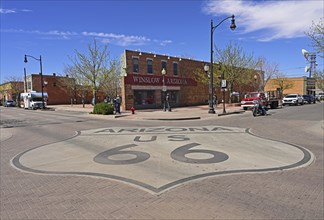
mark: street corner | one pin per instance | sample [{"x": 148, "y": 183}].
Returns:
[{"x": 156, "y": 159}]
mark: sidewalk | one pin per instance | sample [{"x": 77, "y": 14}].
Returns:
[{"x": 179, "y": 113}]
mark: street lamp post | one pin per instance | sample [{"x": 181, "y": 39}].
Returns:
[
  {"x": 163, "y": 88},
  {"x": 41, "y": 75},
  {"x": 212, "y": 28}
]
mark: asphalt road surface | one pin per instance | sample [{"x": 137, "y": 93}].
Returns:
[{"x": 72, "y": 165}]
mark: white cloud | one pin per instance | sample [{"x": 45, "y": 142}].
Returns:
[
  {"x": 275, "y": 19},
  {"x": 62, "y": 34},
  {"x": 165, "y": 42},
  {"x": 26, "y": 10},
  {"x": 125, "y": 40},
  {"x": 7, "y": 11},
  {"x": 11, "y": 11},
  {"x": 116, "y": 39},
  {"x": 119, "y": 39}
]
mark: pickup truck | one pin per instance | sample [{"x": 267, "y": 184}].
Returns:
[{"x": 253, "y": 97}]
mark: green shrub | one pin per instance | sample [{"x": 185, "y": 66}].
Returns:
[{"x": 103, "y": 108}]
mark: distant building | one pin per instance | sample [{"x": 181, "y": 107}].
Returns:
[
  {"x": 296, "y": 85},
  {"x": 11, "y": 90},
  {"x": 61, "y": 89},
  {"x": 57, "y": 94}
]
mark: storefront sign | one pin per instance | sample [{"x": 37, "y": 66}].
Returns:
[
  {"x": 158, "y": 80},
  {"x": 310, "y": 82}
]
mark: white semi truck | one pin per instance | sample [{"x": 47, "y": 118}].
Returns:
[{"x": 33, "y": 100}]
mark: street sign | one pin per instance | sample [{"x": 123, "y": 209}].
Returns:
[{"x": 224, "y": 83}]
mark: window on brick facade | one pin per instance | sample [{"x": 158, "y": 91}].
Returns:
[
  {"x": 135, "y": 65},
  {"x": 164, "y": 65},
  {"x": 150, "y": 66},
  {"x": 175, "y": 69}
]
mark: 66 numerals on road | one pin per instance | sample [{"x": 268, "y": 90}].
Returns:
[{"x": 179, "y": 154}]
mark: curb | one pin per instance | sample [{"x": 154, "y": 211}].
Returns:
[
  {"x": 174, "y": 119},
  {"x": 230, "y": 113}
]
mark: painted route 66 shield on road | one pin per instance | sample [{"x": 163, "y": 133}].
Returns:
[{"x": 158, "y": 158}]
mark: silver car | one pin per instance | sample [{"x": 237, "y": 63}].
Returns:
[{"x": 293, "y": 99}]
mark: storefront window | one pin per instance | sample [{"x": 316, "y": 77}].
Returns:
[{"x": 144, "y": 97}]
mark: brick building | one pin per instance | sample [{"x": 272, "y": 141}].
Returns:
[
  {"x": 298, "y": 85},
  {"x": 57, "y": 94},
  {"x": 142, "y": 81},
  {"x": 59, "y": 90}
]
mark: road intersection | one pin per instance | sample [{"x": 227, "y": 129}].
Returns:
[{"x": 75, "y": 165}]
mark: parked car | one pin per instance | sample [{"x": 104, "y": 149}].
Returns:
[
  {"x": 319, "y": 96},
  {"x": 293, "y": 99},
  {"x": 309, "y": 99},
  {"x": 9, "y": 103}
]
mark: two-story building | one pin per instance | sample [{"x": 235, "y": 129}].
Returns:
[{"x": 144, "y": 86}]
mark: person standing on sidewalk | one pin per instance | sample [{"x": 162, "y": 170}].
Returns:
[
  {"x": 215, "y": 101},
  {"x": 168, "y": 102},
  {"x": 117, "y": 104}
]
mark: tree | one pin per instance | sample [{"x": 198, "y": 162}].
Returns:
[
  {"x": 201, "y": 76},
  {"x": 236, "y": 65},
  {"x": 316, "y": 34},
  {"x": 75, "y": 84},
  {"x": 267, "y": 71},
  {"x": 90, "y": 68},
  {"x": 110, "y": 82},
  {"x": 282, "y": 82},
  {"x": 319, "y": 77}
]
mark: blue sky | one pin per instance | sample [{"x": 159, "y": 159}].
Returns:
[{"x": 54, "y": 29}]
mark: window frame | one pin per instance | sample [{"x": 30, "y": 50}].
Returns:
[
  {"x": 149, "y": 67},
  {"x": 135, "y": 65},
  {"x": 175, "y": 70}
]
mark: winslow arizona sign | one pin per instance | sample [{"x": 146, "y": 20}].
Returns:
[
  {"x": 158, "y": 80},
  {"x": 159, "y": 158}
]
